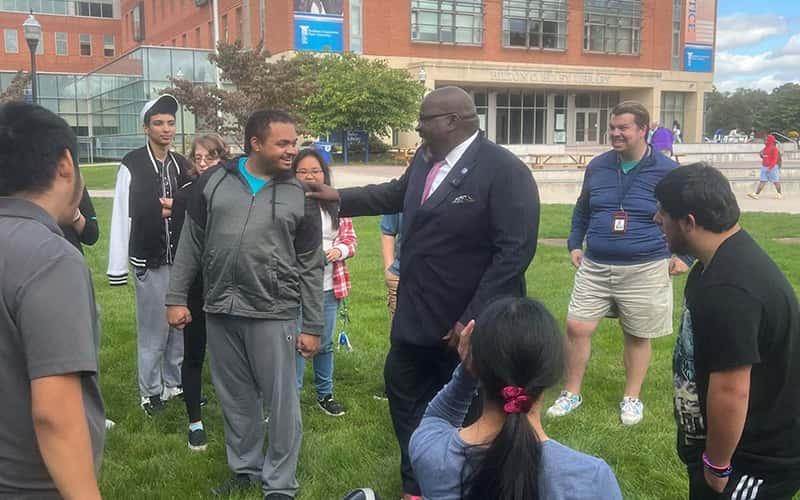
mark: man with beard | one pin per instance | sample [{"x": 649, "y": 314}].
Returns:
[
  {"x": 736, "y": 368},
  {"x": 142, "y": 234},
  {"x": 626, "y": 270},
  {"x": 470, "y": 225},
  {"x": 258, "y": 241},
  {"x": 52, "y": 422}
]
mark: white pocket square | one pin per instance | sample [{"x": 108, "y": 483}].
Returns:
[{"x": 464, "y": 198}]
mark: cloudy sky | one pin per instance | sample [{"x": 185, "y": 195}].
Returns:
[{"x": 758, "y": 44}]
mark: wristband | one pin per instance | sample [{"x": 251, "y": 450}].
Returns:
[{"x": 716, "y": 470}]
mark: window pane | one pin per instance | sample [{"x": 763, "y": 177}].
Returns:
[
  {"x": 11, "y": 42},
  {"x": 502, "y": 126},
  {"x": 516, "y": 32},
  {"x": 528, "y": 125},
  {"x": 515, "y": 135}
]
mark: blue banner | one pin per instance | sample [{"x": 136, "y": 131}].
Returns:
[
  {"x": 698, "y": 58},
  {"x": 318, "y": 33}
]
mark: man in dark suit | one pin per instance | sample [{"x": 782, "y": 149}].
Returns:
[{"x": 470, "y": 224}]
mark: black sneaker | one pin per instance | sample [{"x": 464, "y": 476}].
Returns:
[
  {"x": 235, "y": 484},
  {"x": 153, "y": 405},
  {"x": 277, "y": 496},
  {"x": 331, "y": 406},
  {"x": 198, "y": 440}
]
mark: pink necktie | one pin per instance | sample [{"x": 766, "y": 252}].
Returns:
[{"x": 429, "y": 180}]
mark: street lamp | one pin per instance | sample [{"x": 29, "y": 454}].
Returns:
[{"x": 33, "y": 34}]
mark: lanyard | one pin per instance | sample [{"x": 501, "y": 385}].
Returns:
[{"x": 621, "y": 189}]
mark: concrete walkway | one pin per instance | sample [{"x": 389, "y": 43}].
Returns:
[{"x": 350, "y": 176}]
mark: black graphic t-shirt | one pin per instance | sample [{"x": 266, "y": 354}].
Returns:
[{"x": 739, "y": 311}]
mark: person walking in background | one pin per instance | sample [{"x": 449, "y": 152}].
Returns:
[
  {"x": 143, "y": 234},
  {"x": 676, "y": 132},
  {"x": 661, "y": 139},
  {"x": 206, "y": 152},
  {"x": 339, "y": 244},
  {"x": 472, "y": 217},
  {"x": 770, "y": 168},
  {"x": 258, "y": 241},
  {"x": 52, "y": 428},
  {"x": 627, "y": 266},
  {"x": 736, "y": 366},
  {"x": 514, "y": 353}
]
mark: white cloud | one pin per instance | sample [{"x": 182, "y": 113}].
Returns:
[
  {"x": 793, "y": 45},
  {"x": 765, "y": 71},
  {"x": 739, "y": 30}
]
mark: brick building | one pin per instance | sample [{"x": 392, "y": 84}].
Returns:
[{"x": 540, "y": 71}]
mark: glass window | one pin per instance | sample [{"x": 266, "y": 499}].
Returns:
[
  {"x": 11, "y": 41},
  {"x": 355, "y": 26},
  {"x": 137, "y": 25},
  {"x": 535, "y": 23},
  {"x": 677, "y": 18},
  {"x": 613, "y": 27},
  {"x": 86, "y": 44},
  {"x": 520, "y": 116},
  {"x": 447, "y": 21},
  {"x": 61, "y": 44},
  {"x": 672, "y": 108},
  {"x": 109, "y": 49}
]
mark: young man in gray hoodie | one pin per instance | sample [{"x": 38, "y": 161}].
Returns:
[{"x": 257, "y": 240}]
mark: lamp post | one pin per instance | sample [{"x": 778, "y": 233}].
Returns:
[
  {"x": 33, "y": 34},
  {"x": 422, "y": 76}
]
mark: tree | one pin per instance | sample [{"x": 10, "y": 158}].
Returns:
[
  {"x": 16, "y": 89},
  {"x": 252, "y": 82},
  {"x": 782, "y": 112},
  {"x": 359, "y": 93}
]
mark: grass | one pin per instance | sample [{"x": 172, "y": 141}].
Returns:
[
  {"x": 148, "y": 458},
  {"x": 100, "y": 175}
]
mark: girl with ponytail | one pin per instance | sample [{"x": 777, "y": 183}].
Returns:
[{"x": 514, "y": 353}]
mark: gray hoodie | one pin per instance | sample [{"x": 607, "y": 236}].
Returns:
[{"x": 260, "y": 254}]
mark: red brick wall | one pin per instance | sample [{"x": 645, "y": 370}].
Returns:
[
  {"x": 387, "y": 31},
  {"x": 73, "y": 62}
]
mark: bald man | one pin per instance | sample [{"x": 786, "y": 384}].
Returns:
[{"x": 470, "y": 223}]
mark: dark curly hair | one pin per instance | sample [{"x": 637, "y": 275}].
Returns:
[{"x": 32, "y": 140}]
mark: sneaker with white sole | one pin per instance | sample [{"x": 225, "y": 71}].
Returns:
[
  {"x": 566, "y": 403},
  {"x": 198, "y": 440},
  {"x": 171, "y": 393},
  {"x": 778, "y": 196},
  {"x": 331, "y": 406},
  {"x": 110, "y": 424},
  {"x": 631, "y": 410},
  {"x": 752, "y": 195}
]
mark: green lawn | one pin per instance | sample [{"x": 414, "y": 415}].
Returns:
[
  {"x": 100, "y": 175},
  {"x": 148, "y": 458}
]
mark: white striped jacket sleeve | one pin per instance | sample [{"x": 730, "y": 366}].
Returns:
[{"x": 120, "y": 229}]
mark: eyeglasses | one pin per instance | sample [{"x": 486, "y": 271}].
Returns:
[
  {"x": 307, "y": 172},
  {"x": 205, "y": 159},
  {"x": 423, "y": 118}
]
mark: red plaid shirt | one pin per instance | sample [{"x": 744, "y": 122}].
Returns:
[{"x": 346, "y": 237}]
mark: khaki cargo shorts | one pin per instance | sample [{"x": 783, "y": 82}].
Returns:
[{"x": 639, "y": 294}]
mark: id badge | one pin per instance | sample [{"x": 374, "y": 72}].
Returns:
[{"x": 620, "y": 222}]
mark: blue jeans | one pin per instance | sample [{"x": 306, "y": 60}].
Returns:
[{"x": 323, "y": 361}]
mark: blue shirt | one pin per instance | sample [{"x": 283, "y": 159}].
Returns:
[
  {"x": 390, "y": 226},
  {"x": 438, "y": 454},
  {"x": 606, "y": 190},
  {"x": 256, "y": 183}
]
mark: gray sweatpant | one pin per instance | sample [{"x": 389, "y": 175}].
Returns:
[
  {"x": 250, "y": 358},
  {"x": 160, "y": 348}
]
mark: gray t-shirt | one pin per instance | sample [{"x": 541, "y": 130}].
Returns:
[
  {"x": 438, "y": 454},
  {"x": 48, "y": 327}
]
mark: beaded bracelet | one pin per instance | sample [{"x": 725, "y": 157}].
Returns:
[{"x": 716, "y": 470}]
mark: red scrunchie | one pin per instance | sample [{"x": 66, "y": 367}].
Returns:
[{"x": 516, "y": 400}]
